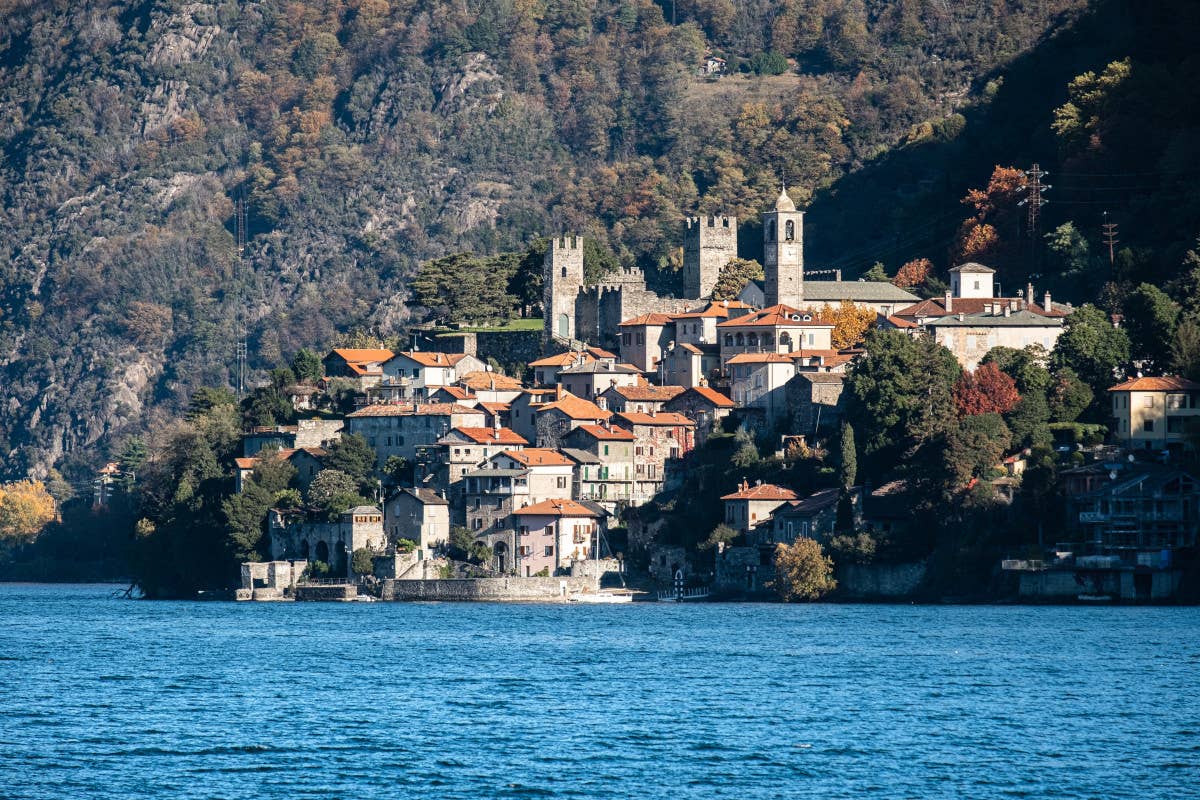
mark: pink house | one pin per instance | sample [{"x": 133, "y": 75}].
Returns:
[{"x": 553, "y": 534}]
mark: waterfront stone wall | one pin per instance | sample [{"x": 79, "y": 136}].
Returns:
[
  {"x": 879, "y": 581},
  {"x": 509, "y": 588},
  {"x": 1066, "y": 585},
  {"x": 326, "y": 592}
]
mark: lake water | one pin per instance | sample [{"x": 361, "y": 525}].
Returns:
[{"x": 113, "y": 698}]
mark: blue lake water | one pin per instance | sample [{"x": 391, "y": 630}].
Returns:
[{"x": 112, "y": 698}]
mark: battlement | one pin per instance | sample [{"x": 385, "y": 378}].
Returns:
[
  {"x": 696, "y": 224},
  {"x": 567, "y": 242}
]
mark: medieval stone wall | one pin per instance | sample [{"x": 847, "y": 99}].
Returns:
[{"x": 709, "y": 243}]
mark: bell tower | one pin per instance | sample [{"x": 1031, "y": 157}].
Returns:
[
  {"x": 783, "y": 253},
  {"x": 563, "y": 279}
]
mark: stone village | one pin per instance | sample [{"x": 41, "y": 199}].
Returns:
[{"x": 627, "y": 385}]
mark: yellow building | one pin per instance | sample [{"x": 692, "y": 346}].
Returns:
[{"x": 1154, "y": 413}]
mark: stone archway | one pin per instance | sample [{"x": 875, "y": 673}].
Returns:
[
  {"x": 322, "y": 552},
  {"x": 500, "y": 557}
]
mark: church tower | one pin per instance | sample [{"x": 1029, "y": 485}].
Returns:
[
  {"x": 783, "y": 253},
  {"x": 563, "y": 279}
]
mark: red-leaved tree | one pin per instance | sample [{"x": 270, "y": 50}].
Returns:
[{"x": 987, "y": 390}]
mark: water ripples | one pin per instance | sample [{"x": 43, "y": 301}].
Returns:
[{"x": 108, "y": 698}]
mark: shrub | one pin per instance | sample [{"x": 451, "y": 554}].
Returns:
[
  {"x": 362, "y": 561},
  {"x": 803, "y": 571}
]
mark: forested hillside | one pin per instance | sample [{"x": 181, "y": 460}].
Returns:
[{"x": 368, "y": 136}]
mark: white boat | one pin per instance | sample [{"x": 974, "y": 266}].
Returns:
[{"x": 601, "y": 597}]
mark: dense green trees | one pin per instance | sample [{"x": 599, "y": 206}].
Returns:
[{"x": 1091, "y": 346}]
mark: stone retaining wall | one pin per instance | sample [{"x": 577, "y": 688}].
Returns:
[
  {"x": 326, "y": 593},
  {"x": 510, "y": 588},
  {"x": 879, "y": 581}
]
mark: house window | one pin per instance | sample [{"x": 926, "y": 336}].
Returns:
[
  {"x": 1176, "y": 401},
  {"x": 1148, "y": 426},
  {"x": 549, "y": 549},
  {"x": 1148, "y": 401},
  {"x": 729, "y": 340},
  {"x": 562, "y": 482},
  {"x": 1175, "y": 425},
  {"x": 605, "y": 449},
  {"x": 976, "y": 284},
  {"x": 524, "y": 531}
]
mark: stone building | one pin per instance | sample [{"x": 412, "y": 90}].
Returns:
[
  {"x": 605, "y": 458},
  {"x": 752, "y": 506},
  {"x": 702, "y": 405},
  {"x": 399, "y": 429},
  {"x": 592, "y": 379},
  {"x": 663, "y": 440},
  {"x": 815, "y": 400},
  {"x": 419, "y": 515},
  {"x": 297, "y": 537},
  {"x": 709, "y": 243}
]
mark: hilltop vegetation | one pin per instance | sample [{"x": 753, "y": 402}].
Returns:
[{"x": 369, "y": 136}]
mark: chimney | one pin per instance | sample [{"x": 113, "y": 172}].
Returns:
[
  {"x": 602, "y": 403},
  {"x": 837, "y": 274},
  {"x": 960, "y": 316},
  {"x": 1046, "y": 304},
  {"x": 653, "y": 412},
  {"x": 1007, "y": 311},
  {"x": 949, "y": 302},
  {"x": 558, "y": 391},
  {"x": 1012, "y": 304},
  {"x": 1029, "y": 294}
]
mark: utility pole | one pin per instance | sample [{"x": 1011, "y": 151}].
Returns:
[
  {"x": 1110, "y": 240},
  {"x": 239, "y": 318},
  {"x": 1034, "y": 202}
]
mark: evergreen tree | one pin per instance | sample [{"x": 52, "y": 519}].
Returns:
[{"x": 849, "y": 456}]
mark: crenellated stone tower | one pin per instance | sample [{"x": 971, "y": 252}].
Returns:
[
  {"x": 783, "y": 253},
  {"x": 709, "y": 243},
  {"x": 563, "y": 282}
]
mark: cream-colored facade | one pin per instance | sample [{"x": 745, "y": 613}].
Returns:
[
  {"x": 970, "y": 336},
  {"x": 1154, "y": 413}
]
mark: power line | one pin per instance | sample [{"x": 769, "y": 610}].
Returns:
[{"x": 1110, "y": 239}]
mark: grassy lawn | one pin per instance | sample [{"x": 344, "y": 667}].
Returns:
[{"x": 513, "y": 325}]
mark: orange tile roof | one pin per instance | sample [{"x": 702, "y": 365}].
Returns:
[
  {"x": 775, "y": 315},
  {"x": 488, "y": 381},
  {"x": 661, "y": 418},
  {"x": 539, "y": 457},
  {"x": 653, "y": 318},
  {"x": 245, "y": 463},
  {"x": 647, "y": 393},
  {"x": 557, "y": 508},
  {"x": 600, "y": 352},
  {"x": 407, "y": 410},
  {"x": 362, "y": 355},
  {"x": 718, "y": 309},
  {"x": 604, "y": 434},
  {"x": 562, "y": 359},
  {"x": 760, "y": 358},
  {"x": 575, "y": 407},
  {"x": 764, "y": 491},
  {"x": 432, "y": 359},
  {"x": 457, "y": 392},
  {"x": 900, "y": 323},
  {"x": 495, "y": 408},
  {"x": 492, "y": 435},
  {"x": 713, "y": 396},
  {"x": 1163, "y": 384}
]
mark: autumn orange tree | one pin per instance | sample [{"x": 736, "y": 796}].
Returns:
[
  {"x": 850, "y": 323},
  {"x": 979, "y": 236},
  {"x": 914, "y": 273},
  {"x": 25, "y": 508},
  {"x": 987, "y": 390}
]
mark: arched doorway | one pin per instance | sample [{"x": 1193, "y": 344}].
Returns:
[
  {"x": 322, "y": 552},
  {"x": 500, "y": 551},
  {"x": 564, "y": 326}
]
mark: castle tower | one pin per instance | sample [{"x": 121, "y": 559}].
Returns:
[
  {"x": 783, "y": 253},
  {"x": 562, "y": 283},
  {"x": 708, "y": 245}
]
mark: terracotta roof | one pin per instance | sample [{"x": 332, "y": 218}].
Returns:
[
  {"x": 495, "y": 408},
  {"x": 245, "y": 463},
  {"x": 717, "y": 310},
  {"x": 1163, "y": 384},
  {"x": 481, "y": 380},
  {"x": 315, "y": 452},
  {"x": 407, "y": 410},
  {"x": 575, "y": 407},
  {"x": 457, "y": 392},
  {"x": 361, "y": 369},
  {"x": 433, "y": 359},
  {"x": 712, "y": 395},
  {"x": 653, "y": 318},
  {"x": 895, "y": 321},
  {"x": 561, "y": 359},
  {"x": 557, "y": 508},
  {"x": 818, "y": 501},
  {"x": 600, "y": 368},
  {"x": 646, "y": 393},
  {"x": 763, "y": 491},
  {"x": 361, "y": 355},
  {"x": 538, "y": 457},
  {"x": 776, "y": 315},
  {"x": 605, "y": 435},
  {"x": 760, "y": 358},
  {"x": 936, "y": 307},
  {"x": 600, "y": 352},
  {"x": 491, "y": 435},
  {"x": 661, "y": 418}
]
